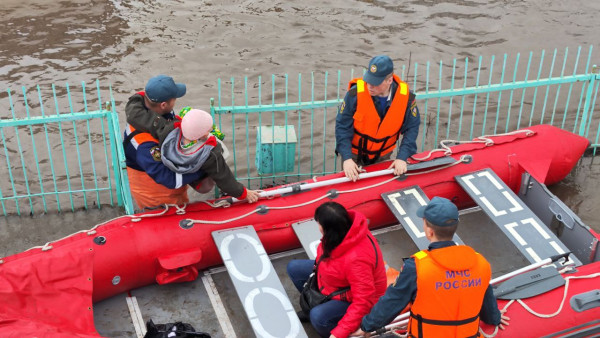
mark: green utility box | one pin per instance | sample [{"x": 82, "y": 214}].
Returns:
[{"x": 275, "y": 152}]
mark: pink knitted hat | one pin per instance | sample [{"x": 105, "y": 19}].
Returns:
[{"x": 195, "y": 124}]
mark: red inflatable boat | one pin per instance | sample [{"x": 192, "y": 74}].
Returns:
[{"x": 51, "y": 289}]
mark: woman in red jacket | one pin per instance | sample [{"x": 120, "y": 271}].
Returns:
[{"x": 348, "y": 255}]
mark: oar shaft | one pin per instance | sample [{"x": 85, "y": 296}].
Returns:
[{"x": 307, "y": 186}]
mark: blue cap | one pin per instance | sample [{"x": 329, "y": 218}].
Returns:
[
  {"x": 162, "y": 88},
  {"x": 440, "y": 211},
  {"x": 379, "y": 67}
]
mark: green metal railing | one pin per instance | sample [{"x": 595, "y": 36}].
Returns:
[
  {"x": 60, "y": 161},
  {"x": 73, "y": 158},
  {"x": 464, "y": 101}
]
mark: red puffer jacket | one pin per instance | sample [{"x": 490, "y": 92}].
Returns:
[{"x": 357, "y": 262}]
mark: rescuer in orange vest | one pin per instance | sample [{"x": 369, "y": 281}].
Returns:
[
  {"x": 446, "y": 285},
  {"x": 377, "y": 108}
]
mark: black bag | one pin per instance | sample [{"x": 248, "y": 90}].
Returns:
[
  {"x": 172, "y": 330},
  {"x": 311, "y": 296}
]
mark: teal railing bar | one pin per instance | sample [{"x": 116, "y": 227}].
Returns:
[
  {"x": 570, "y": 89},
  {"x": 339, "y": 80},
  {"x": 426, "y": 103},
  {"x": 104, "y": 145},
  {"x": 8, "y": 167},
  {"x": 323, "y": 139},
  {"x": 35, "y": 154},
  {"x": 439, "y": 105},
  {"x": 77, "y": 146},
  {"x": 119, "y": 166},
  {"x": 500, "y": 94},
  {"x": 589, "y": 123},
  {"x": 536, "y": 88},
  {"x": 450, "y": 105},
  {"x": 259, "y": 116},
  {"x": 51, "y": 162},
  {"x": 20, "y": 155},
  {"x": 548, "y": 86},
  {"x": 512, "y": 92},
  {"x": 299, "y": 136},
  {"x": 64, "y": 153},
  {"x": 487, "y": 95},
  {"x": 586, "y": 105},
  {"x": 524, "y": 89},
  {"x": 286, "y": 119},
  {"x": 82, "y": 116},
  {"x": 462, "y": 103},
  {"x": 503, "y": 87},
  {"x": 312, "y": 121},
  {"x": 50, "y": 193},
  {"x": 233, "y": 126},
  {"x": 247, "y": 130},
  {"x": 277, "y": 107},
  {"x": 89, "y": 136},
  {"x": 562, "y": 72},
  {"x": 475, "y": 100},
  {"x": 587, "y": 65}
]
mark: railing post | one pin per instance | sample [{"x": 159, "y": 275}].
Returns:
[{"x": 589, "y": 96}]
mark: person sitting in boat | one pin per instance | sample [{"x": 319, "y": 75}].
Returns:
[
  {"x": 348, "y": 255},
  {"x": 446, "y": 285},
  {"x": 377, "y": 108},
  {"x": 192, "y": 148}
]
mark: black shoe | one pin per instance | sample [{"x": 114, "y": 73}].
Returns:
[{"x": 303, "y": 316}]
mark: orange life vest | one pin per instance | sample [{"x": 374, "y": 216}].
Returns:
[
  {"x": 144, "y": 190},
  {"x": 372, "y": 136},
  {"x": 451, "y": 284}
]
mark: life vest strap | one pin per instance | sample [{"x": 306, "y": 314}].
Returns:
[
  {"x": 131, "y": 135},
  {"x": 421, "y": 320},
  {"x": 371, "y": 156},
  {"x": 444, "y": 322}
]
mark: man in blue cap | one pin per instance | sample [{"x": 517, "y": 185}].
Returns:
[
  {"x": 151, "y": 110},
  {"x": 150, "y": 118},
  {"x": 377, "y": 108},
  {"x": 446, "y": 285}
]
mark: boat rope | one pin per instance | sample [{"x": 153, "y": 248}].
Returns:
[
  {"x": 541, "y": 315},
  {"x": 463, "y": 158},
  {"x": 92, "y": 231},
  {"x": 485, "y": 139}
]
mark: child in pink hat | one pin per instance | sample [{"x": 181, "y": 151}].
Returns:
[{"x": 191, "y": 147}]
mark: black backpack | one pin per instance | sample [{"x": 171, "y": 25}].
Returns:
[{"x": 172, "y": 330}]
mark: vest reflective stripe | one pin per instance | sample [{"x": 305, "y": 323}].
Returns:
[
  {"x": 451, "y": 284},
  {"x": 138, "y": 138},
  {"x": 372, "y": 136}
]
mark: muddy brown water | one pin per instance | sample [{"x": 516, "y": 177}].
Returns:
[{"x": 123, "y": 43}]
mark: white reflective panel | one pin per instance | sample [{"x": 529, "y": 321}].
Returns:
[
  {"x": 413, "y": 227},
  {"x": 537, "y": 227},
  {"x": 285, "y": 303},
  {"x": 415, "y": 193},
  {"x": 557, "y": 247},
  {"x": 393, "y": 199},
  {"x": 533, "y": 254},
  {"x": 491, "y": 179},
  {"x": 264, "y": 258},
  {"x": 516, "y": 206},
  {"x": 489, "y": 205},
  {"x": 467, "y": 179},
  {"x": 511, "y": 228}
]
